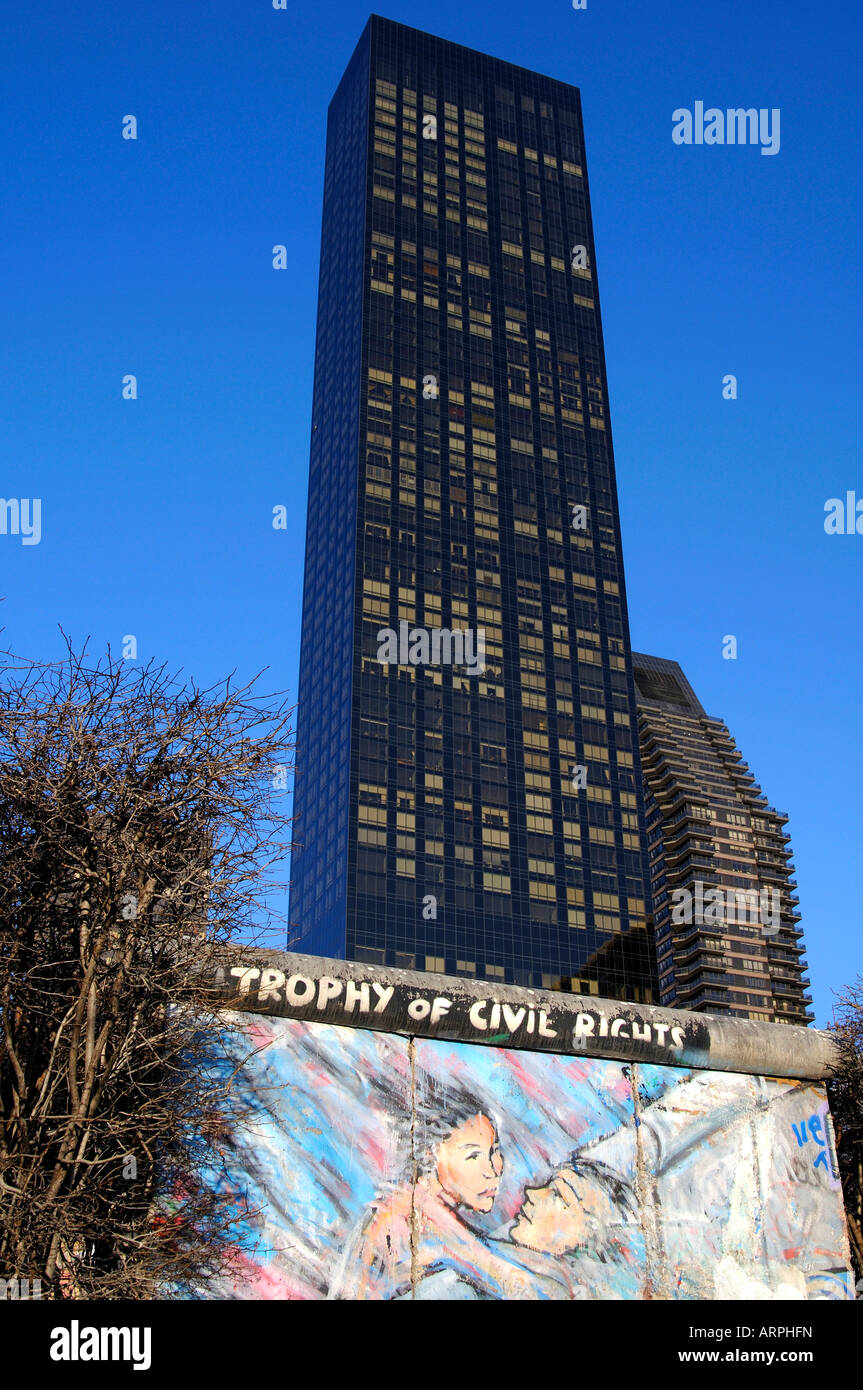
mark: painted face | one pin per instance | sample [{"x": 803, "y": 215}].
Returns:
[
  {"x": 469, "y": 1164},
  {"x": 562, "y": 1215}
]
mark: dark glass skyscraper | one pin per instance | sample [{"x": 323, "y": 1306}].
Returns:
[{"x": 468, "y": 792}]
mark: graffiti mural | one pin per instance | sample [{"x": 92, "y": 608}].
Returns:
[{"x": 383, "y": 1167}]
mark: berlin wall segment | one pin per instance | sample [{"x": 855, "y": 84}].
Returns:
[
  {"x": 453, "y": 1008},
  {"x": 426, "y": 1137}
]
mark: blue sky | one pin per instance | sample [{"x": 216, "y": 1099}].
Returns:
[{"x": 153, "y": 257}]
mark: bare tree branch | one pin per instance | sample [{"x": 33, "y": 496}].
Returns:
[
  {"x": 846, "y": 1104},
  {"x": 141, "y": 834}
]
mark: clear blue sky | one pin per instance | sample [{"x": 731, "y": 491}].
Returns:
[{"x": 153, "y": 257}]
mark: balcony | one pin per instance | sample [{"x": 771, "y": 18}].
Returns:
[
  {"x": 700, "y": 953},
  {"x": 784, "y": 973},
  {"x": 784, "y": 991}
]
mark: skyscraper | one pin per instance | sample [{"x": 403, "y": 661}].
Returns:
[
  {"x": 468, "y": 791},
  {"x": 727, "y": 933}
]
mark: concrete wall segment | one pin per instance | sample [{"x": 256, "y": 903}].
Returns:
[{"x": 352, "y": 994}]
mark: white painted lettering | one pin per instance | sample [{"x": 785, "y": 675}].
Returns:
[
  {"x": 328, "y": 989},
  {"x": 295, "y": 985},
  {"x": 384, "y": 993},
  {"x": 513, "y": 1018},
  {"x": 440, "y": 1008},
  {"x": 476, "y": 1014},
  {"x": 356, "y": 994},
  {"x": 245, "y": 975},
  {"x": 271, "y": 982}
]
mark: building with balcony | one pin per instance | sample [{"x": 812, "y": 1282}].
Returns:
[{"x": 727, "y": 928}]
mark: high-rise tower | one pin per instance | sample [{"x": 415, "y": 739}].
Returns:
[
  {"x": 727, "y": 925},
  {"x": 468, "y": 792}
]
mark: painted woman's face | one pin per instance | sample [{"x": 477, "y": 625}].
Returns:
[
  {"x": 561, "y": 1215},
  {"x": 469, "y": 1164}
]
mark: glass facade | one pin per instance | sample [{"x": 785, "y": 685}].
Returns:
[{"x": 468, "y": 789}]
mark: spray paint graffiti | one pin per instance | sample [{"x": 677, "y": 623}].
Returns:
[
  {"x": 817, "y": 1125},
  {"x": 388, "y": 1167}
]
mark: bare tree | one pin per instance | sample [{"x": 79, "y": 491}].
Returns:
[
  {"x": 846, "y": 1104},
  {"x": 141, "y": 830}
]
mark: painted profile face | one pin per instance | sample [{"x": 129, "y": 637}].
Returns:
[
  {"x": 469, "y": 1164},
  {"x": 562, "y": 1215}
]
